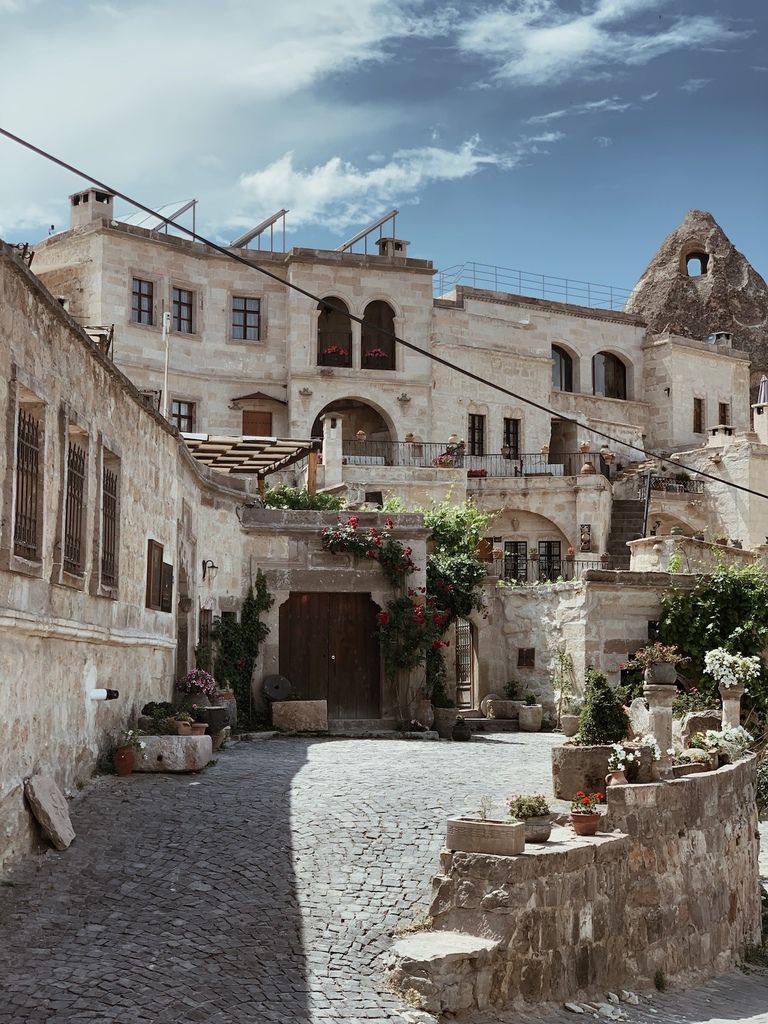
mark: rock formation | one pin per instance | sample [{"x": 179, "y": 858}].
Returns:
[{"x": 698, "y": 284}]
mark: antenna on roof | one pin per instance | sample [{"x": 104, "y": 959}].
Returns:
[
  {"x": 362, "y": 236},
  {"x": 243, "y": 240}
]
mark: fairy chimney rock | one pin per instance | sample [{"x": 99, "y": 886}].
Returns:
[{"x": 699, "y": 285}]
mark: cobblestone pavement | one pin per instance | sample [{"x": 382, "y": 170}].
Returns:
[{"x": 266, "y": 889}]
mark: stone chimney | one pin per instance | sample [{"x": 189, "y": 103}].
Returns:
[
  {"x": 89, "y": 206},
  {"x": 392, "y": 246}
]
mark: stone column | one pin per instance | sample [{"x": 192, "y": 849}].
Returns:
[
  {"x": 660, "y": 699},
  {"x": 731, "y": 698}
]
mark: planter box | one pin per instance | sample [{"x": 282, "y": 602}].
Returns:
[
  {"x": 531, "y": 716},
  {"x": 173, "y": 754},
  {"x": 569, "y": 724},
  {"x": 498, "y": 838},
  {"x": 679, "y": 771},
  {"x": 445, "y": 719},
  {"x": 498, "y": 707},
  {"x": 579, "y": 768},
  {"x": 300, "y": 715}
]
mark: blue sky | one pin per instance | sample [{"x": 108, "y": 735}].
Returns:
[{"x": 558, "y": 136}]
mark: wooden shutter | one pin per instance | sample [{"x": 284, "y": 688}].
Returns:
[
  {"x": 257, "y": 423},
  {"x": 154, "y": 574},
  {"x": 166, "y": 588}
]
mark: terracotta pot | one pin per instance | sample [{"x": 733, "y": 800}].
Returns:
[
  {"x": 587, "y": 469},
  {"x": 186, "y": 700},
  {"x": 179, "y": 728},
  {"x": 531, "y": 716},
  {"x": 569, "y": 724},
  {"x": 538, "y": 829},
  {"x": 461, "y": 731},
  {"x": 124, "y": 760},
  {"x": 585, "y": 824},
  {"x": 198, "y": 728},
  {"x": 584, "y": 447},
  {"x": 616, "y": 778},
  {"x": 226, "y": 699},
  {"x": 679, "y": 771}
]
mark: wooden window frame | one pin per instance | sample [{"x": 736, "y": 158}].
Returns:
[
  {"x": 476, "y": 433},
  {"x": 698, "y": 416},
  {"x": 154, "y": 575},
  {"x": 142, "y": 302},
  {"x": 251, "y": 318},
  {"x": 511, "y": 437},
  {"x": 179, "y": 418},
  {"x": 526, "y": 657},
  {"x": 183, "y": 310},
  {"x": 516, "y": 560},
  {"x": 724, "y": 414}
]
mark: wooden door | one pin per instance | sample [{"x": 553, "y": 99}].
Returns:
[
  {"x": 329, "y": 650},
  {"x": 257, "y": 424}
]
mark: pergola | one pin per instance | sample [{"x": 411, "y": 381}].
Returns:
[{"x": 259, "y": 455}]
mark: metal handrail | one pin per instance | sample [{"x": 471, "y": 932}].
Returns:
[
  {"x": 434, "y": 454},
  {"x": 545, "y": 570},
  {"x": 539, "y": 286}
]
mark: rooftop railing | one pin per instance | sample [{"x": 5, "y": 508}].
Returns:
[
  {"x": 436, "y": 455},
  {"x": 538, "y": 286}
]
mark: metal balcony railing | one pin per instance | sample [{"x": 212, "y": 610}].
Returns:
[
  {"x": 432, "y": 454},
  {"x": 670, "y": 485},
  {"x": 544, "y": 570},
  {"x": 538, "y": 286}
]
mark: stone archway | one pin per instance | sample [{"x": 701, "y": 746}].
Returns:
[{"x": 358, "y": 415}]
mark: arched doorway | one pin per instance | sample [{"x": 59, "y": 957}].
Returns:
[{"x": 357, "y": 416}]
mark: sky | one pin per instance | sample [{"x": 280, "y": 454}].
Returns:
[{"x": 566, "y": 137}]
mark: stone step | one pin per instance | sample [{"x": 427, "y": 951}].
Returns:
[
  {"x": 360, "y": 726},
  {"x": 488, "y": 725}
]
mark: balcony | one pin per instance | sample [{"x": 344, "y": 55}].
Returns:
[
  {"x": 527, "y": 571},
  {"x": 437, "y": 455}
]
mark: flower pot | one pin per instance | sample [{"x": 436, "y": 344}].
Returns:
[
  {"x": 184, "y": 701},
  {"x": 179, "y": 728},
  {"x": 679, "y": 771},
  {"x": 616, "y": 778},
  {"x": 569, "y": 724},
  {"x": 473, "y": 835},
  {"x": 662, "y": 673},
  {"x": 445, "y": 719},
  {"x": 587, "y": 469},
  {"x": 584, "y": 447},
  {"x": 216, "y": 718},
  {"x": 461, "y": 731},
  {"x": 198, "y": 728},
  {"x": 226, "y": 699},
  {"x": 585, "y": 824},
  {"x": 538, "y": 829},
  {"x": 530, "y": 717},
  {"x": 124, "y": 760}
]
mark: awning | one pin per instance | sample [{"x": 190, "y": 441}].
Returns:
[{"x": 261, "y": 455}]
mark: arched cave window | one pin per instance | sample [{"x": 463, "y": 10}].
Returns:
[
  {"x": 696, "y": 264},
  {"x": 334, "y": 333},
  {"x": 378, "y": 350},
  {"x": 609, "y": 376},
  {"x": 562, "y": 370}
]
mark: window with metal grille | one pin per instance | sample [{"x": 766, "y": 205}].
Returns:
[
  {"x": 183, "y": 416},
  {"x": 698, "y": 415},
  {"x": 475, "y": 434},
  {"x": 109, "y": 523},
  {"x": 516, "y": 560},
  {"x": 26, "y": 517},
  {"x": 511, "y": 446},
  {"x": 142, "y": 302},
  {"x": 550, "y": 560},
  {"x": 724, "y": 414},
  {"x": 74, "y": 505},
  {"x": 526, "y": 657},
  {"x": 246, "y": 318},
  {"x": 182, "y": 310}
]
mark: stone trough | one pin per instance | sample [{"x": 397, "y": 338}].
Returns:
[{"x": 173, "y": 754}]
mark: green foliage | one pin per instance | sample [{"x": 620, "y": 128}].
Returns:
[
  {"x": 762, "y": 784},
  {"x": 660, "y": 980},
  {"x": 522, "y": 807},
  {"x": 283, "y": 496},
  {"x": 408, "y": 630},
  {"x": 204, "y": 657},
  {"x": 456, "y": 529},
  {"x": 692, "y": 700},
  {"x": 728, "y": 609},
  {"x": 675, "y": 563},
  {"x": 602, "y": 719},
  {"x": 452, "y": 579},
  {"x": 512, "y": 690},
  {"x": 237, "y": 645}
]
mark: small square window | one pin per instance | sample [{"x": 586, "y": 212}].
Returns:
[
  {"x": 183, "y": 416},
  {"x": 526, "y": 657}
]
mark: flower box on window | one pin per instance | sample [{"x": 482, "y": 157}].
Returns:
[{"x": 334, "y": 355}]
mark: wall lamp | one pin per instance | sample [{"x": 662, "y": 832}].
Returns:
[{"x": 209, "y": 569}]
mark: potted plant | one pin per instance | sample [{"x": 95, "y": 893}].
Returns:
[
  {"x": 569, "y": 719},
  {"x": 731, "y": 672},
  {"x": 584, "y": 447},
  {"x": 483, "y": 834},
  {"x": 409, "y": 437},
  {"x": 531, "y": 714},
  {"x": 198, "y": 728},
  {"x": 124, "y": 757},
  {"x": 691, "y": 761},
  {"x": 461, "y": 731},
  {"x": 570, "y": 554},
  {"x": 584, "y": 814},
  {"x": 181, "y": 723},
  {"x": 197, "y": 686},
  {"x": 659, "y": 663},
  {"x": 535, "y": 813}
]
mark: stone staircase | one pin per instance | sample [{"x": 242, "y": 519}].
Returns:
[{"x": 626, "y": 524}]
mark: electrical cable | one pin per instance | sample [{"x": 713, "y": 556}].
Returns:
[{"x": 223, "y": 251}]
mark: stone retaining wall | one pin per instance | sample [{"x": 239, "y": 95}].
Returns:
[{"x": 674, "y": 888}]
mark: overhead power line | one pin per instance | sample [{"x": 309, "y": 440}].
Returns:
[{"x": 469, "y": 374}]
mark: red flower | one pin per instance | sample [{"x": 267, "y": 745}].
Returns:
[
  {"x": 437, "y": 644},
  {"x": 586, "y": 801},
  {"x": 389, "y": 522},
  {"x": 600, "y": 796},
  {"x": 580, "y": 792},
  {"x": 409, "y": 552},
  {"x": 383, "y": 618},
  {"x": 370, "y": 553},
  {"x": 353, "y": 521}
]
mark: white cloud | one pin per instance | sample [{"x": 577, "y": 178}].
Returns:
[
  {"x": 648, "y": 96},
  {"x": 603, "y": 141},
  {"x": 338, "y": 193},
  {"x": 539, "y": 43},
  {"x": 694, "y": 84},
  {"x": 611, "y": 104}
]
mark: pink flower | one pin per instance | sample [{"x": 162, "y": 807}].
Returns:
[
  {"x": 353, "y": 521},
  {"x": 389, "y": 522}
]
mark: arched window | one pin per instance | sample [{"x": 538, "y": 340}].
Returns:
[
  {"x": 334, "y": 334},
  {"x": 562, "y": 370},
  {"x": 609, "y": 376},
  {"x": 378, "y": 350}
]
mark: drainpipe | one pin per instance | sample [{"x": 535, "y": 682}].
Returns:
[
  {"x": 647, "y": 501},
  {"x": 166, "y": 330}
]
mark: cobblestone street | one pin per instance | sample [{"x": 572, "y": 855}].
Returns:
[{"x": 266, "y": 889}]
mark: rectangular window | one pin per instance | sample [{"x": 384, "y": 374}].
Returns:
[
  {"x": 526, "y": 657},
  {"x": 476, "y": 434},
  {"x": 550, "y": 561},
  {"x": 154, "y": 574},
  {"x": 142, "y": 302},
  {"x": 246, "y": 318},
  {"x": 152, "y": 399},
  {"x": 183, "y": 416},
  {"x": 698, "y": 415},
  {"x": 204, "y": 628},
  {"x": 516, "y": 560},
  {"x": 27, "y": 524},
  {"x": 182, "y": 311},
  {"x": 109, "y": 523},
  {"x": 256, "y": 423},
  {"x": 511, "y": 443},
  {"x": 724, "y": 414},
  {"x": 74, "y": 508}
]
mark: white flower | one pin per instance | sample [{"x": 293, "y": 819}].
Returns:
[{"x": 731, "y": 669}]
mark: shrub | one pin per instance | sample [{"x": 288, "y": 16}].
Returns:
[
  {"x": 602, "y": 718},
  {"x": 283, "y": 496},
  {"x": 522, "y": 807}
]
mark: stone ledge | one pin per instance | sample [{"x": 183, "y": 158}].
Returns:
[{"x": 174, "y": 754}]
